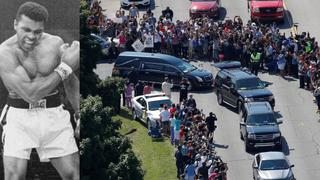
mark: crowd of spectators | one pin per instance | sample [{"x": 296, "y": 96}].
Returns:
[
  {"x": 205, "y": 39},
  {"x": 193, "y": 135}
]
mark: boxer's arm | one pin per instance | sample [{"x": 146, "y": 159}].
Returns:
[
  {"x": 72, "y": 90},
  {"x": 29, "y": 90}
]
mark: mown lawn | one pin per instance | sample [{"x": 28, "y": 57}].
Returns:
[{"x": 157, "y": 157}]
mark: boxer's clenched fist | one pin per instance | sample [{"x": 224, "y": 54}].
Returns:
[{"x": 71, "y": 54}]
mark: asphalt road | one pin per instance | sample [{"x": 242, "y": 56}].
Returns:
[{"x": 301, "y": 125}]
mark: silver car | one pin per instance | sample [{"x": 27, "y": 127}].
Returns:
[
  {"x": 128, "y": 3},
  {"x": 272, "y": 165},
  {"x": 147, "y": 107}
]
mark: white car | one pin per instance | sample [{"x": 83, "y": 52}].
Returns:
[
  {"x": 128, "y": 3},
  {"x": 272, "y": 165},
  {"x": 146, "y": 107}
]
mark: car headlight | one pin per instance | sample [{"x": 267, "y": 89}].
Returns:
[
  {"x": 251, "y": 136},
  {"x": 271, "y": 98},
  {"x": 193, "y": 10},
  {"x": 248, "y": 99},
  {"x": 276, "y": 135},
  {"x": 280, "y": 9},
  {"x": 199, "y": 79},
  {"x": 256, "y": 10}
]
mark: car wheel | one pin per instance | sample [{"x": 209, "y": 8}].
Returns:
[
  {"x": 247, "y": 147},
  {"x": 218, "y": 15},
  {"x": 278, "y": 147},
  {"x": 281, "y": 21},
  {"x": 148, "y": 124},
  {"x": 239, "y": 107},
  {"x": 219, "y": 98},
  {"x": 241, "y": 135},
  {"x": 134, "y": 115}
]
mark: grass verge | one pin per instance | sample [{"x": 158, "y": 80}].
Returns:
[{"x": 157, "y": 157}]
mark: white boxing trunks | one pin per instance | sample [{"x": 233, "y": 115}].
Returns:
[{"x": 49, "y": 130}]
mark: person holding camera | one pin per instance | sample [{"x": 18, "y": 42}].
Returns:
[{"x": 210, "y": 121}]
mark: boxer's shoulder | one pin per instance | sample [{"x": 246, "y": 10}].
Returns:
[
  {"x": 9, "y": 45},
  {"x": 7, "y": 52},
  {"x": 51, "y": 41}
]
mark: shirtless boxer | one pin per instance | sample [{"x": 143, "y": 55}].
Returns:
[{"x": 32, "y": 64}]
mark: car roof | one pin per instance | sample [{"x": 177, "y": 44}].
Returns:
[
  {"x": 258, "y": 107},
  {"x": 163, "y": 57},
  {"x": 271, "y": 155},
  {"x": 238, "y": 74},
  {"x": 155, "y": 96},
  {"x": 227, "y": 64}
]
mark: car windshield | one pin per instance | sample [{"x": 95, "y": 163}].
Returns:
[
  {"x": 261, "y": 119},
  {"x": 252, "y": 83},
  {"x": 155, "y": 105},
  {"x": 185, "y": 67},
  {"x": 275, "y": 164}
]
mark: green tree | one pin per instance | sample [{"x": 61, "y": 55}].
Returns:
[
  {"x": 90, "y": 53},
  {"x": 110, "y": 89},
  {"x": 105, "y": 154}
]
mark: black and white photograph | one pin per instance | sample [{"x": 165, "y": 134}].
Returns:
[{"x": 39, "y": 90}]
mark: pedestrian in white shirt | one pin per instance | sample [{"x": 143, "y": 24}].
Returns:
[
  {"x": 166, "y": 86},
  {"x": 165, "y": 119}
]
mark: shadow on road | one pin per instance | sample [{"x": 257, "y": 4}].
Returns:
[
  {"x": 285, "y": 147},
  {"x": 289, "y": 78},
  {"x": 277, "y": 115},
  {"x": 223, "y": 13},
  {"x": 232, "y": 109},
  {"x": 222, "y": 146},
  {"x": 288, "y": 21}
]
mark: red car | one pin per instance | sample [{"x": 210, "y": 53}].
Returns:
[
  {"x": 200, "y": 8},
  {"x": 266, "y": 10}
]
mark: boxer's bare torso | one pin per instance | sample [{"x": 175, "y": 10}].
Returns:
[{"x": 30, "y": 65}]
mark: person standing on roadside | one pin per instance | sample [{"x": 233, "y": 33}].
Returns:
[
  {"x": 134, "y": 11},
  {"x": 166, "y": 87},
  {"x": 128, "y": 95},
  {"x": 255, "y": 59},
  {"x": 138, "y": 89},
  {"x": 179, "y": 161},
  {"x": 148, "y": 88},
  {"x": 210, "y": 121},
  {"x": 316, "y": 94},
  {"x": 184, "y": 88},
  {"x": 165, "y": 119}
]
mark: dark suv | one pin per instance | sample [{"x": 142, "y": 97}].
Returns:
[
  {"x": 259, "y": 127},
  {"x": 236, "y": 87},
  {"x": 154, "y": 67}
]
